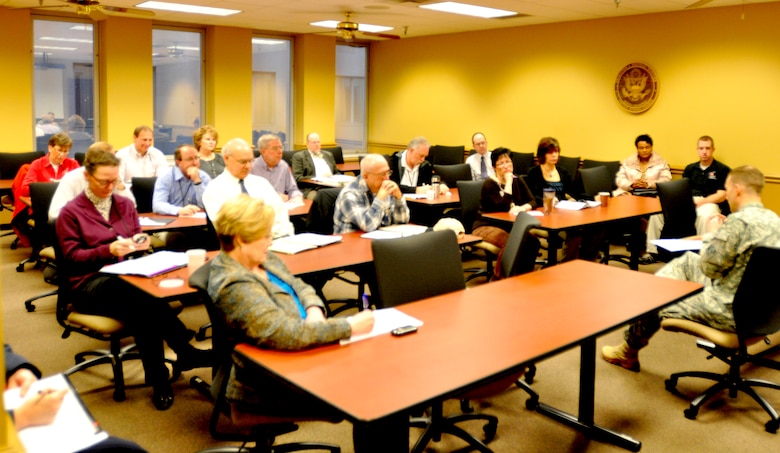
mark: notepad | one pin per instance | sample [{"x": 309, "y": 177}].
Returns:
[
  {"x": 73, "y": 428},
  {"x": 155, "y": 221},
  {"x": 678, "y": 245},
  {"x": 149, "y": 265},
  {"x": 291, "y": 245},
  {"x": 571, "y": 205},
  {"x": 385, "y": 320}
]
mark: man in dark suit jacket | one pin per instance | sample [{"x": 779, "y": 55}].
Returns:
[
  {"x": 304, "y": 167},
  {"x": 410, "y": 169}
]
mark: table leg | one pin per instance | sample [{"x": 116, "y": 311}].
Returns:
[
  {"x": 584, "y": 421},
  {"x": 554, "y": 243},
  {"x": 389, "y": 434},
  {"x": 636, "y": 244}
]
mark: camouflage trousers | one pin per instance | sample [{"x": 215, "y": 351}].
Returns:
[{"x": 704, "y": 307}]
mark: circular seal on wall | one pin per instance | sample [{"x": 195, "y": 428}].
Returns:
[{"x": 636, "y": 87}]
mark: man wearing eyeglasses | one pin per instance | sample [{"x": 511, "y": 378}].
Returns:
[
  {"x": 237, "y": 179},
  {"x": 272, "y": 167},
  {"x": 370, "y": 201},
  {"x": 179, "y": 191}
]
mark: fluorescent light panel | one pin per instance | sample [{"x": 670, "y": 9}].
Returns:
[
  {"x": 182, "y": 48},
  {"x": 55, "y": 38},
  {"x": 268, "y": 41},
  {"x": 81, "y": 27},
  {"x": 182, "y": 8},
  {"x": 56, "y": 48},
  {"x": 361, "y": 27},
  {"x": 468, "y": 10}
]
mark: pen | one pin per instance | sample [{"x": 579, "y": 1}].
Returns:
[{"x": 365, "y": 301}]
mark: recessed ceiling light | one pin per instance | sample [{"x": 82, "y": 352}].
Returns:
[
  {"x": 268, "y": 42},
  {"x": 468, "y": 10},
  {"x": 182, "y": 8},
  {"x": 55, "y": 38},
  {"x": 362, "y": 27}
]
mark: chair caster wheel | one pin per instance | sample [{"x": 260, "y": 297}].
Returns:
[
  {"x": 490, "y": 431},
  {"x": 671, "y": 385},
  {"x": 772, "y": 425},
  {"x": 119, "y": 396},
  {"x": 531, "y": 404},
  {"x": 691, "y": 413},
  {"x": 29, "y": 306}
]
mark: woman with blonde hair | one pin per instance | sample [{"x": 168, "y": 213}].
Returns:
[
  {"x": 205, "y": 141},
  {"x": 265, "y": 305}
]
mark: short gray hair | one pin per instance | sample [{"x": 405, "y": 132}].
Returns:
[{"x": 418, "y": 141}]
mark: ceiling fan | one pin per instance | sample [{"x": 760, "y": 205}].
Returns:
[
  {"x": 94, "y": 9},
  {"x": 349, "y": 30}
]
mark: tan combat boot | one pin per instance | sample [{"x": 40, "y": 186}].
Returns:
[{"x": 622, "y": 355}]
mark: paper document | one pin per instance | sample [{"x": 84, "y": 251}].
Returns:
[
  {"x": 415, "y": 196},
  {"x": 149, "y": 265},
  {"x": 294, "y": 203},
  {"x": 385, "y": 320},
  {"x": 379, "y": 234},
  {"x": 304, "y": 241},
  {"x": 336, "y": 180},
  {"x": 73, "y": 428},
  {"x": 405, "y": 229},
  {"x": 571, "y": 205},
  {"x": 678, "y": 245},
  {"x": 154, "y": 221}
]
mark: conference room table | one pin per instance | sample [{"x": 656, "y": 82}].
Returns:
[
  {"x": 469, "y": 339},
  {"x": 349, "y": 167},
  {"x": 426, "y": 211},
  {"x": 622, "y": 208}
]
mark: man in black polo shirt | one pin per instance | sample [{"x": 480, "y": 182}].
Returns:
[{"x": 708, "y": 179}]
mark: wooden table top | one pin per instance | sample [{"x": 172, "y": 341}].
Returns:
[
  {"x": 453, "y": 199},
  {"x": 5, "y": 184},
  {"x": 179, "y": 222},
  {"x": 619, "y": 208},
  {"x": 471, "y": 337},
  {"x": 348, "y": 167},
  {"x": 302, "y": 210}
]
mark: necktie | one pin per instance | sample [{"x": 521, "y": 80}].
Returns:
[
  {"x": 483, "y": 168},
  {"x": 243, "y": 187}
]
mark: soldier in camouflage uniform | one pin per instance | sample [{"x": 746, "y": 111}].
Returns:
[{"x": 726, "y": 249}]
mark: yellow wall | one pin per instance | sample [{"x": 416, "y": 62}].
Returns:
[
  {"x": 228, "y": 80},
  {"x": 16, "y": 78},
  {"x": 719, "y": 75},
  {"x": 314, "y": 79},
  {"x": 125, "y": 78}
]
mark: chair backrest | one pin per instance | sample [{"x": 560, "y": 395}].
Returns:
[
  {"x": 416, "y": 267},
  {"x": 338, "y": 154},
  {"x": 595, "y": 180},
  {"x": 287, "y": 156},
  {"x": 41, "y": 194},
  {"x": 756, "y": 309},
  {"x": 470, "y": 194},
  {"x": 521, "y": 162},
  {"x": 570, "y": 164},
  {"x": 143, "y": 191},
  {"x": 11, "y": 162},
  {"x": 322, "y": 209},
  {"x": 613, "y": 167},
  {"x": 678, "y": 208},
  {"x": 80, "y": 158},
  {"x": 521, "y": 248},
  {"x": 446, "y": 155},
  {"x": 451, "y": 174}
]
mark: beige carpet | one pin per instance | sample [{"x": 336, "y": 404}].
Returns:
[{"x": 634, "y": 403}]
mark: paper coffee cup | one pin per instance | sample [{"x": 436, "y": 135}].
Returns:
[
  {"x": 604, "y": 198},
  {"x": 195, "y": 259}
]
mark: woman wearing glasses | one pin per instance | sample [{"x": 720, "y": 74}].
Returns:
[{"x": 98, "y": 228}]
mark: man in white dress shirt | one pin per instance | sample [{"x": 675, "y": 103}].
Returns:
[
  {"x": 141, "y": 159},
  {"x": 74, "y": 182},
  {"x": 481, "y": 167},
  {"x": 236, "y": 179}
]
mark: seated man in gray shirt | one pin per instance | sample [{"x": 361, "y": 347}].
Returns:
[{"x": 272, "y": 167}]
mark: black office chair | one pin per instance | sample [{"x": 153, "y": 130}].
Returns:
[
  {"x": 446, "y": 155},
  {"x": 521, "y": 162},
  {"x": 42, "y": 240},
  {"x": 414, "y": 268},
  {"x": 595, "y": 180},
  {"x": 143, "y": 191},
  {"x": 571, "y": 165},
  {"x": 80, "y": 157},
  {"x": 41, "y": 194},
  {"x": 756, "y": 315},
  {"x": 613, "y": 166},
  {"x": 9, "y": 167},
  {"x": 287, "y": 156},
  {"x": 338, "y": 153},
  {"x": 679, "y": 212},
  {"x": 262, "y": 430},
  {"x": 470, "y": 195},
  {"x": 451, "y": 174},
  {"x": 101, "y": 328}
]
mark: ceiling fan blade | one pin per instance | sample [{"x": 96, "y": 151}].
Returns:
[
  {"x": 698, "y": 4},
  {"x": 133, "y": 11},
  {"x": 380, "y": 35}
]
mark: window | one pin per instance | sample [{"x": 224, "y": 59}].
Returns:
[
  {"x": 64, "y": 82},
  {"x": 351, "y": 97},
  {"x": 178, "y": 73},
  {"x": 271, "y": 92}
]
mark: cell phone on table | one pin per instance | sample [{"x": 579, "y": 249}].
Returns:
[
  {"x": 141, "y": 238},
  {"x": 405, "y": 330}
]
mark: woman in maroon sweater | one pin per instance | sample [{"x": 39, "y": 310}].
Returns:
[{"x": 98, "y": 228}]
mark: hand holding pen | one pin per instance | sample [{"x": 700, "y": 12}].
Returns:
[{"x": 39, "y": 409}]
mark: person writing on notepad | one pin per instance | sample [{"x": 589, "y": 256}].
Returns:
[
  {"x": 370, "y": 201},
  {"x": 264, "y": 305}
]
